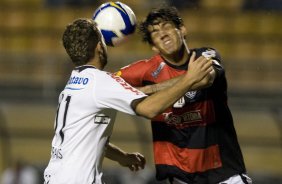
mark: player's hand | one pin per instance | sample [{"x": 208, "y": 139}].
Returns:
[
  {"x": 198, "y": 68},
  {"x": 134, "y": 161}
]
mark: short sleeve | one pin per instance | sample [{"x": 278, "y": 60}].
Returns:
[{"x": 113, "y": 92}]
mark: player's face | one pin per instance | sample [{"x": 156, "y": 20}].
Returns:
[{"x": 166, "y": 38}]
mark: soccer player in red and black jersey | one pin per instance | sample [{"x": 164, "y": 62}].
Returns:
[{"x": 194, "y": 141}]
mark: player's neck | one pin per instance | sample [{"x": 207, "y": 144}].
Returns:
[
  {"x": 179, "y": 58},
  {"x": 96, "y": 64}
]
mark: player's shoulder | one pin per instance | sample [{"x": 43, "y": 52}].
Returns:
[
  {"x": 151, "y": 61},
  {"x": 203, "y": 49},
  {"x": 156, "y": 58},
  {"x": 90, "y": 72},
  {"x": 154, "y": 61},
  {"x": 144, "y": 63},
  {"x": 207, "y": 52}
]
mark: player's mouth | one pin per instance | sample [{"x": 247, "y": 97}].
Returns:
[{"x": 167, "y": 43}]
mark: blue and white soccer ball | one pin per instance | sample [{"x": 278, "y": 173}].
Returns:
[{"x": 116, "y": 21}]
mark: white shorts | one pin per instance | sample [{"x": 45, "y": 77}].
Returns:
[{"x": 236, "y": 179}]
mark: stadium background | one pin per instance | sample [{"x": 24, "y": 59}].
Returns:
[{"x": 34, "y": 68}]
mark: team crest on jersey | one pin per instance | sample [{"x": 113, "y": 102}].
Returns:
[
  {"x": 158, "y": 70},
  {"x": 191, "y": 94}
]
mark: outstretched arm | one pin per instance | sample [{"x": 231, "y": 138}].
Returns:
[
  {"x": 134, "y": 161},
  {"x": 204, "y": 83},
  {"x": 150, "y": 89}
]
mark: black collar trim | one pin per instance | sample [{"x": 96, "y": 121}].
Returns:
[{"x": 83, "y": 67}]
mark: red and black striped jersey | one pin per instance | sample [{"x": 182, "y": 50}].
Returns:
[{"x": 195, "y": 139}]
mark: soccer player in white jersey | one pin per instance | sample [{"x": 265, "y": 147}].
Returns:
[{"x": 83, "y": 124}]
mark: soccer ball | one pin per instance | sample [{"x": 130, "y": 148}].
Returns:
[{"x": 116, "y": 21}]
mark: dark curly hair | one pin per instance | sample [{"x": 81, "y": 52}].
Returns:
[
  {"x": 157, "y": 15},
  {"x": 80, "y": 38}
]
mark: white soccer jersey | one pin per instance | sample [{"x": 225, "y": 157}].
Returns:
[{"x": 84, "y": 124}]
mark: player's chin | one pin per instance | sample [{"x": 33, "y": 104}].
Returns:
[{"x": 169, "y": 51}]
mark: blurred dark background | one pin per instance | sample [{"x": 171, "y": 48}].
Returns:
[{"x": 34, "y": 68}]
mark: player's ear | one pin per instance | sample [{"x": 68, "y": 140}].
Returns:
[{"x": 99, "y": 47}]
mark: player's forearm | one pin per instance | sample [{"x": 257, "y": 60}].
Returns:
[
  {"x": 204, "y": 83},
  {"x": 114, "y": 153},
  {"x": 207, "y": 81},
  {"x": 160, "y": 101},
  {"x": 150, "y": 89}
]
